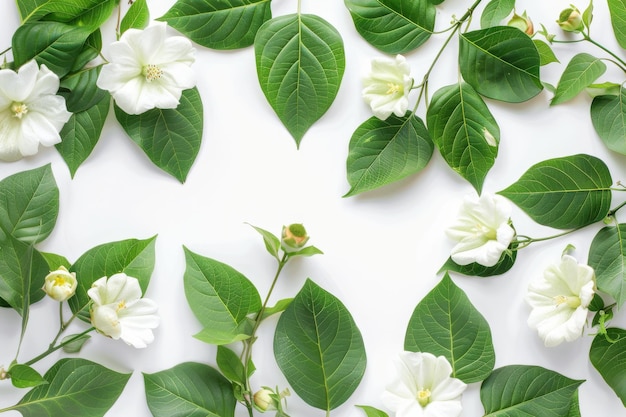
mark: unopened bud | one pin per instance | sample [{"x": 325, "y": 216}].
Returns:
[
  {"x": 60, "y": 284},
  {"x": 570, "y": 20},
  {"x": 523, "y": 23},
  {"x": 263, "y": 400},
  {"x": 294, "y": 237}
]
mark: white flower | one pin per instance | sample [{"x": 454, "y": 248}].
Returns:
[
  {"x": 148, "y": 69},
  {"x": 386, "y": 88},
  {"x": 30, "y": 111},
  {"x": 482, "y": 230},
  {"x": 60, "y": 284},
  {"x": 560, "y": 301},
  {"x": 118, "y": 311},
  {"x": 424, "y": 387}
]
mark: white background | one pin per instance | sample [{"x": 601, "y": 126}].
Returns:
[{"x": 382, "y": 249}]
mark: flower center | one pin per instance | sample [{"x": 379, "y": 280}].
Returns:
[
  {"x": 423, "y": 397},
  {"x": 570, "y": 301},
  {"x": 121, "y": 305},
  {"x": 152, "y": 72},
  {"x": 19, "y": 110},
  {"x": 60, "y": 280},
  {"x": 393, "y": 88}
]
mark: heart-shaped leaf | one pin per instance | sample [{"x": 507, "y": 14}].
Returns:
[
  {"x": 607, "y": 256},
  {"x": 608, "y": 115}
]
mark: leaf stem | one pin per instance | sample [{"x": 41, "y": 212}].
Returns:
[
  {"x": 527, "y": 240},
  {"x": 616, "y": 209},
  {"x": 52, "y": 349},
  {"x": 621, "y": 64}
]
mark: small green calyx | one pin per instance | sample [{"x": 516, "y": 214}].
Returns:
[{"x": 294, "y": 237}]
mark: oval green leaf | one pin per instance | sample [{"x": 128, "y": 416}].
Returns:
[
  {"x": 546, "y": 54},
  {"x": 609, "y": 359},
  {"x": 171, "y": 138},
  {"x": 137, "y": 16},
  {"x": 495, "y": 11},
  {"x": 617, "y": 10},
  {"x": 608, "y": 115},
  {"x": 506, "y": 262},
  {"x": 607, "y": 256},
  {"x": 393, "y": 26},
  {"x": 23, "y": 376},
  {"x": 580, "y": 73},
  {"x": 520, "y": 390},
  {"x": 189, "y": 390},
  {"x": 372, "y": 412},
  {"x": 300, "y": 62},
  {"x": 319, "y": 348},
  {"x": 446, "y": 323},
  {"x": 86, "y": 13},
  {"x": 227, "y": 24},
  {"x": 500, "y": 62},
  {"x": 464, "y": 131},
  {"x": 385, "y": 151},
  {"x": 564, "y": 193}
]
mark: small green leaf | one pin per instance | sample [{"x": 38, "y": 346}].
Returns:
[
  {"x": 319, "y": 348},
  {"x": 307, "y": 251},
  {"x": 216, "y": 336},
  {"x": 506, "y": 262},
  {"x": 564, "y": 193},
  {"x": 75, "y": 345},
  {"x": 607, "y": 256},
  {"x": 137, "y": 16},
  {"x": 300, "y": 62},
  {"x": 230, "y": 365},
  {"x": 500, "y": 62},
  {"x": 446, "y": 323},
  {"x": 272, "y": 243},
  {"x": 393, "y": 26},
  {"x": 609, "y": 359},
  {"x": 189, "y": 390},
  {"x": 372, "y": 412},
  {"x": 170, "y": 137},
  {"x": 519, "y": 390},
  {"x": 495, "y": 12},
  {"x": 464, "y": 131},
  {"x": 279, "y": 307},
  {"x": 385, "y": 151},
  {"x": 617, "y": 10},
  {"x": 581, "y": 72},
  {"x": 23, "y": 376},
  {"x": 608, "y": 115},
  {"x": 546, "y": 55},
  {"x": 226, "y": 24}
]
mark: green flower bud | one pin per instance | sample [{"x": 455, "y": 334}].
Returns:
[
  {"x": 523, "y": 23},
  {"x": 570, "y": 20},
  {"x": 60, "y": 284},
  {"x": 294, "y": 237}
]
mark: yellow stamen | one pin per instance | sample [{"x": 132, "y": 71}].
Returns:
[
  {"x": 393, "y": 88},
  {"x": 19, "y": 110},
  {"x": 570, "y": 301},
  {"x": 423, "y": 397},
  {"x": 152, "y": 72}
]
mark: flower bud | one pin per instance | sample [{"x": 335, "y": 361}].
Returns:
[
  {"x": 60, "y": 284},
  {"x": 570, "y": 20},
  {"x": 294, "y": 237},
  {"x": 523, "y": 23},
  {"x": 263, "y": 400}
]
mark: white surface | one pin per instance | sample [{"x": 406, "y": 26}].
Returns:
[{"x": 382, "y": 249}]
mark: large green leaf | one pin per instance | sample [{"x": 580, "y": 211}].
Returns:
[
  {"x": 80, "y": 90},
  {"x": 580, "y": 73},
  {"x": 519, "y": 391},
  {"x": 464, "y": 131},
  {"x": 189, "y": 390},
  {"x": 609, "y": 358},
  {"x": 170, "y": 137},
  {"x": 500, "y": 62},
  {"x": 85, "y": 13},
  {"x": 384, "y": 151},
  {"x": 133, "y": 257},
  {"x": 446, "y": 323},
  {"x": 564, "y": 193},
  {"x": 617, "y": 10},
  {"x": 319, "y": 348},
  {"x": 227, "y": 24},
  {"x": 495, "y": 11},
  {"x": 220, "y": 297},
  {"x": 608, "y": 115},
  {"x": 300, "y": 62},
  {"x": 76, "y": 387},
  {"x": 607, "y": 256},
  {"x": 29, "y": 205},
  {"x": 393, "y": 26},
  {"x": 81, "y": 133},
  {"x": 57, "y": 45}
]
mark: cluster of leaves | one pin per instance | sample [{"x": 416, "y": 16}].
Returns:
[{"x": 29, "y": 203}]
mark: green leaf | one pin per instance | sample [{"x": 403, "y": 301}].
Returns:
[
  {"x": 464, "y": 131},
  {"x": 29, "y": 205},
  {"x": 393, "y": 26},
  {"x": 385, "y": 151},
  {"x": 519, "y": 390},
  {"x": 272, "y": 243},
  {"x": 133, "y": 257},
  {"x": 170, "y": 137},
  {"x": 581, "y": 72},
  {"x": 54, "y": 260},
  {"x": 495, "y": 11},
  {"x": 54, "y": 44},
  {"x": 220, "y": 297},
  {"x": 617, "y": 10},
  {"x": 81, "y": 134},
  {"x": 609, "y": 359},
  {"x": 446, "y": 323},
  {"x": 219, "y": 336},
  {"x": 86, "y": 13},
  {"x": 230, "y": 365},
  {"x": 372, "y": 412},
  {"x": 80, "y": 90},
  {"x": 500, "y": 62},
  {"x": 306, "y": 251},
  {"x": 319, "y": 348},
  {"x": 23, "y": 376},
  {"x": 137, "y": 16},
  {"x": 75, "y": 345},
  {"x": 607, "y": 256},
  {"x": 279, "y": 307},
  {"x": 564, "y": 193},
  {"x": 189, "y": 390},
  {"x": 76, "y": 387},
  {"x": 227, "y": 24},
  {"x": 546, "y": 55},
  {"x": 506, "y": 262},
  {"x": 300, "y": 62},
  {"x": 608, "y": 115},
  {"x": 90, "y": 50}
]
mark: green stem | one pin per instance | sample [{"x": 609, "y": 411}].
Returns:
[
  {"x": 621, "y": 64},
  {"x": 57, "y": 347},
  {"x": 528, "y": 240},
  {"x": 62, "y": 325},
  {"x": 616, "y": 209}
]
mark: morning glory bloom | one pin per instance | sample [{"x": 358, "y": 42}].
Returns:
[{"x": 386, "y": 88}]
